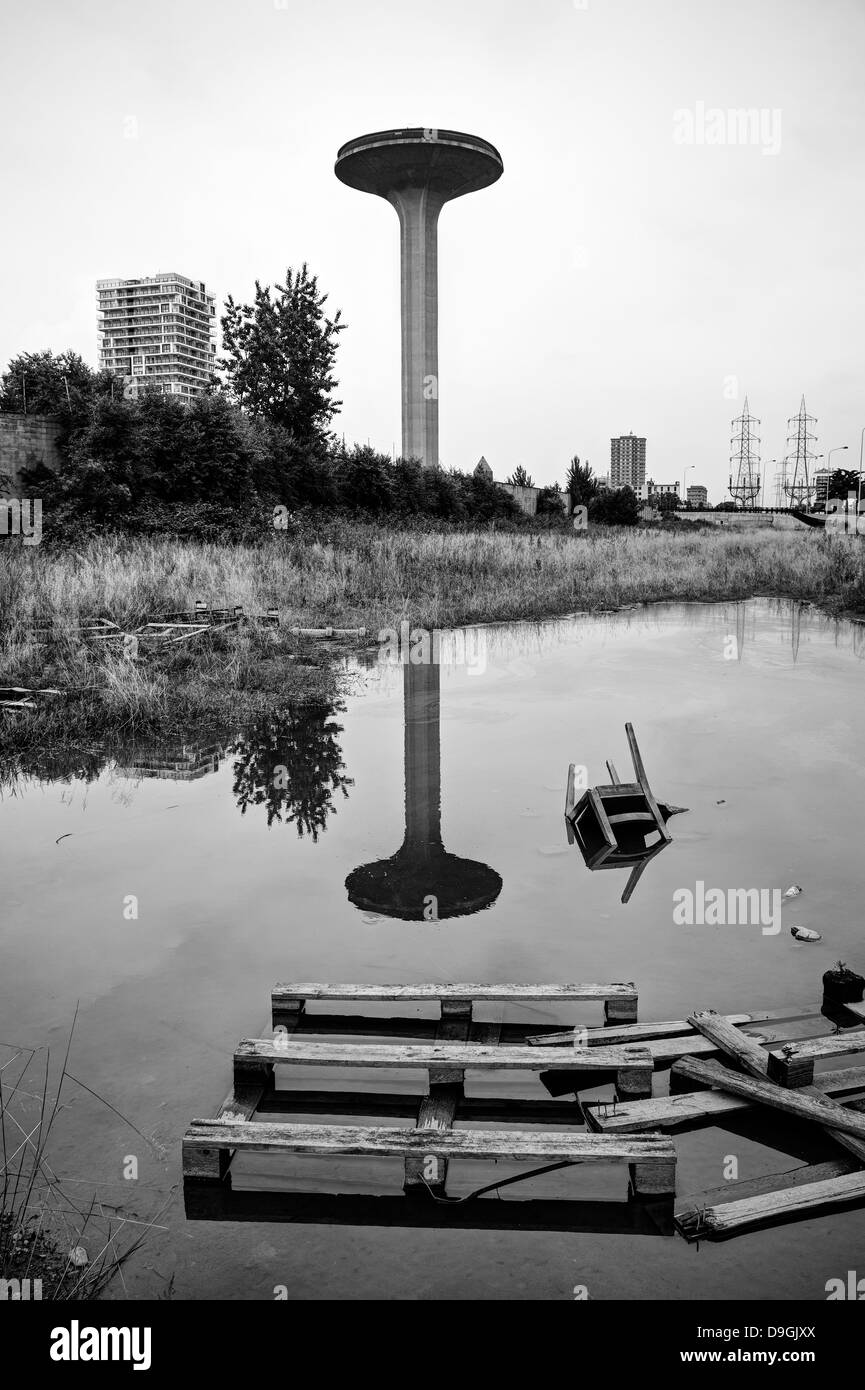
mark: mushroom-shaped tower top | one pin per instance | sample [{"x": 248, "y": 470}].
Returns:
[
  {"x": 444, "y": 161},
  {"x": 418, "y": 171}
]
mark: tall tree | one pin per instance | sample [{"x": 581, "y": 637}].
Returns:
[
  {"x": 550, "y": 501},
  {"x": 520, "y": 478},
  {"x": 280, "y": 353},
  {"x": 580, "y": 482},
  {"x": 617, "y": 507},
  {"x": 843, "y": 480},
  {"x": 42, "y": 383}
]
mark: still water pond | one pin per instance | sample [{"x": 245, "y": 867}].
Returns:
[{"x": 303, "y": 852}]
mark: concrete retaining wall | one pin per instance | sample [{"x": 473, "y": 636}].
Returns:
[{"x": 26, "y": 440}]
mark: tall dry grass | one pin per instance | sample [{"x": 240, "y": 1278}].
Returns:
[
  {"x": 362, "y": 572},
  {"x": 362, "y": 575},
  {"x": 56, "y": 1241}
]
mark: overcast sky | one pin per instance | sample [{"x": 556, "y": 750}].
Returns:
[{"x": 621, "y": 275}]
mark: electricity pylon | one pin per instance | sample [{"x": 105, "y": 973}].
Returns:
[
  {"x": 798, "y": 484},
  {"x": 745, "y": 460}
]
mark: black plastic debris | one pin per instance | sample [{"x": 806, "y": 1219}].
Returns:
[{"x": 842, "y": 985}]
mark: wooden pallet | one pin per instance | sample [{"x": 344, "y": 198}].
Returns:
[
  {"x": 208, "y": 1145},
  {"x": 18, "y": 697},
  {"x": 167, "y": 628},
  {"x": 256, "y": 1058},
  {"x": 619, "y": 1000},
  {"x": 460, "y": 1044}
]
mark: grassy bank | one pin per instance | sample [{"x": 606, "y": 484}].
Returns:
[{"x": 349, "y": 575}]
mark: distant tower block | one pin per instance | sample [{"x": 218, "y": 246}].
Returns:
[{"x": 418, "y": 171}]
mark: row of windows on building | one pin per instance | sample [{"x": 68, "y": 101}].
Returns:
[{"x": 157, "y": 332}]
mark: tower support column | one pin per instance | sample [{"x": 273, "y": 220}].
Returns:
[{"x": 418, "y": 211}]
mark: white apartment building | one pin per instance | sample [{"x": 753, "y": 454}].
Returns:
[
  {"x": 158, "y": 333},
  {"x": 628, "y": 462}
]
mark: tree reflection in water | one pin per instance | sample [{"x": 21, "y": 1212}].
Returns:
[{"x": 290, "y": 762}]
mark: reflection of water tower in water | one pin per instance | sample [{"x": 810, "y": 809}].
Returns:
[
  {"x": 418, "y": 171},
  {"x": 423, "y": 881}
]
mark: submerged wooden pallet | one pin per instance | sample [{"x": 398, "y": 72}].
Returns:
[
  {"x": 763, "y": 1042},
  {"x": 619, "y": 1000},
  {"x": 460, "y": 1044},
  {"x": 256, "y": 1058},
  {"x": 208, "y": 1144}
]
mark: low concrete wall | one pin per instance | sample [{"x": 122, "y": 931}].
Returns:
[
  {"x": 26, "y": 440},
  {"x": 744, "y": 521},
  {"x": 526, "y": 498}
]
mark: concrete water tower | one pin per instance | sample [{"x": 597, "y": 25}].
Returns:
[{"x": 418, "y": 171}]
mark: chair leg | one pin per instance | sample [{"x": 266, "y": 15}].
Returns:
[{"x": 640, "y": 774}]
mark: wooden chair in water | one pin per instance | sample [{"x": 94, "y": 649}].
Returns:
[{"x": 612, "y": 823}]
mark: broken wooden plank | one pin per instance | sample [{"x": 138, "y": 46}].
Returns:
[
  {"x": 820, "y": 1108},
  {"x": 328, "y": 631},
  {"x": 670, "y": 1028},
  {"x": 784, "y": 1202},
  {"x": 186, "y": 636},
  {"x": 743, "y": 1048},
  {"x": 754, "y": 1060},
  {"x": 793, "y": 1065},
  {"x": 667, "y": 1050},
  {"x": 9, "y": 692},
  {"x": 693, "y": 1107},
  {"x": 737, "y": 1189}
]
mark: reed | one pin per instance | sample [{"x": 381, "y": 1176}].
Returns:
[{"x": 351, "y": 574}]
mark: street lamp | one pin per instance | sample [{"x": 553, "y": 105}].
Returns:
[{"x": 837, "y": 449}]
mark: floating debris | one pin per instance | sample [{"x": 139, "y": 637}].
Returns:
[
  {"x": 805, "y": 934},
  {"x": 328, "y": 632},
  {"x": 17, "y": 697},
  {"x": 792, "y": 892},
  {"x": 612, "y": 824},
  {"x": 843, "y": 986},
  {"x": 168, "y": 626}
]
